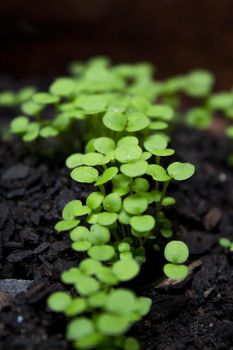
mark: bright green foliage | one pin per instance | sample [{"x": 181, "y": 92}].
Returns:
[
  {"x": 63, "y": 87},
  {"x": 19, "y": 125},
  {"x": 123, "y": 118},
  {"x": 180, "y": 171},
  {"x": 226, "y": 243},
  {"x": 118, "y": 220},
  {"x": 85, "y": 174},
  {"x": 177, "y": 253},
  {"x": 44, "y": 98},
  {"x": 200, "y": 118},
  {"x": 59, "y": 301}
]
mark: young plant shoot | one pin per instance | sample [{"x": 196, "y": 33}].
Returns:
[
  {"x": 123, "y": 116},
  {"x": 119, "y": 220}
]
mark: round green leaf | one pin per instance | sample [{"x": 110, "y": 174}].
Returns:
[
  {"x": 44, "y": 98},
  {"x": 32, "y": 132},
  {"x": 84, "y": 174},
  {"x": 158, "y": 125},
  {"x": 126, "y": 153},
  {"x": 121, "y": 180},
  {"x": 176, "y": 252},
  {"x": 98, "y": 299},
  {"x": 65, "y": 225},
  {"x": 71, "y": 209},
  {"x": 92, "y": 158},
  {"x": 7, "y": 98},
  {"x": 141, "y": 103},
  {"x": 161, "y": 111},
  {"x": 87, "y": 285},
  {"x": 155, "y": 142},
  {"x": 115, "y": 121},
  {"x": 220, "y": 101},
  {"x": 48, "y": 131},
  {"x": 137, "y": 121},
  {"x": 107, "y": 219},
  {"x": 225, "y": 243},
  {"x": 126, "y": 270},
  {"x": 19, "y": 125},
  {"x": 199, "y": 118},
  {"x": 128, "y": 140},
  {"x": 104, "y": 145},
  {"x": 142, "y": 223},
  {"x": 77, "y": 306},
  {"x": 79, "y": 328},
  {"x": 131, "y": 344},
  {"x": 81, "y": 246},
  {"x": 94, "y": 200},
  {"x": 31, "y": 108},
  {"x": 134, "y": 169},
  {"x": 71, "y": 276},
  {"x": 62, "y": 87},
  {"x": 99, "y": 234},
  {"x": 135, "y": 204},
  {"x": 80, "y": 233},
  {"x": 163, "y": 152},
  {"x": 143, "y": 305},
  {"x": 112, "y": 325},
  {"x": 90, "y": 341},
  {"x": 141, "y": 185},
  {"x": 74, "y": 160},
  {"x": 101, "y": 252},
  {"x": 158, "y": 173},
  {"x": 166, "y": 232},
  {"x": 121, "y": 301},
  {"x": 168, "y": 201},
  {"x": 90, "y": 266},
  {"x": 105, "y": 275},
  {"x": 176, "y": 272},
  {"x": 180, "y": 171},
  {"x": 112, "y": 203},
  {"x": 91, "y": 103},
  {"x": 59, "y": 301},
  {"x": 124, "y": 218},
  {"x": 199, "y": 83}
]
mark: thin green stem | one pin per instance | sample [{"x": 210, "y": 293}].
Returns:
[
  {"x": 159, "y": 205},
  {"x": 163, "y": 194}
]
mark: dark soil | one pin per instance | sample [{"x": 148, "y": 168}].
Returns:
[{"x": 194, "y": 314}]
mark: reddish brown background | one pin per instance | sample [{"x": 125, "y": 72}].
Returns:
[{"x": 41, "y": 37}]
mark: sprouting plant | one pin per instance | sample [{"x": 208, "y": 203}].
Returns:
[
  {"x": 176, "y": 252},
  {"x": 121, "y": 218},
  {"x": 96, "y": 85},
  {"x": 124, "y": 117},
  {"x": 226, "y": 243}
]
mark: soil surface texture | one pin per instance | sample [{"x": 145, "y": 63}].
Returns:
[{"x": 196, "y": 314}]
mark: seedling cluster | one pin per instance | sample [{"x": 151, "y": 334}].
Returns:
[{"x": 126, "y": 136}]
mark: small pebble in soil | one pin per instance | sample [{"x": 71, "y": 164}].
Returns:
[
  {"x": 16, "y": 172},
  {"x": 222, "y": 177},
  {"x": 19, "y": 319}
]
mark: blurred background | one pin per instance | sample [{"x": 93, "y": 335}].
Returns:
[{"x": 39, "y": 38}]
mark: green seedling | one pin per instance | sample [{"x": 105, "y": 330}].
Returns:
[
  {"x": 104, "y": 97},
  {"x": 226, "y": 243},
  {"x": 117, "y": 222},
  {"x": 176, "y": 252},
  {"x": 124, "y": 121}
]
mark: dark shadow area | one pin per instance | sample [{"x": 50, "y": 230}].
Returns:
[{"x": 175, "y": 35}]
